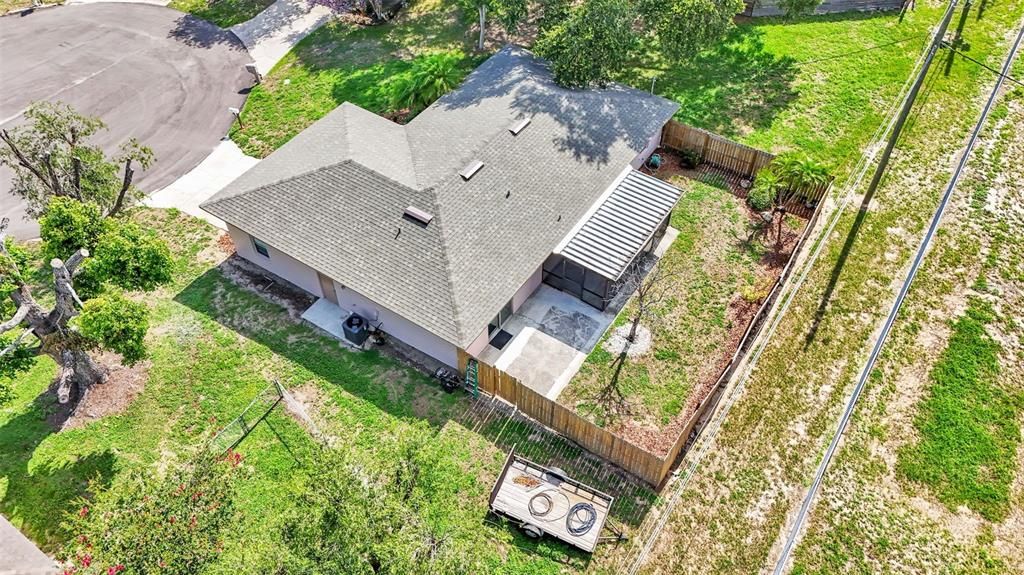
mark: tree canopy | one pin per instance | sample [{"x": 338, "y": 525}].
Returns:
[
  {"x": 51, "y": 157},
  {"x": 145, "y": 523},
  {"x": 589, "y": 47},
  {"x": 396, "y": 513},
  {"x": 685, "y": 27}
]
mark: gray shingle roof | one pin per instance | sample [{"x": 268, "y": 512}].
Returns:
[{"x": 333, "y": 197}]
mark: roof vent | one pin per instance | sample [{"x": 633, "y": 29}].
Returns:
[
  {"x": 519, "y": 126},
  {"x": 419, "y": 215},
  {"x": 471, "y": 169}
]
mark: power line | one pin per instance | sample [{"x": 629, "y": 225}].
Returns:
[
  {"x": 862, "y": 50},
  {"x": 891, "y": 319},
  {"x": 950, "y": 47}
]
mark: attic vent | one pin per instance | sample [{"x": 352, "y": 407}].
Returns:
[
  {"x": 519, "y": 126},
  {"x": 418, "y": 215},
  {"x": 471, "y": 169}
]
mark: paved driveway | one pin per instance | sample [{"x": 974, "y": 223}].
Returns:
[{"x": 150, "y": 72}]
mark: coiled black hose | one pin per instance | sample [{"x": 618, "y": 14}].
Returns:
[{"x": 584, "y": 515}]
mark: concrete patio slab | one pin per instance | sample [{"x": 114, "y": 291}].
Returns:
[
  {"x": 330, "y": 318},
  {"x": 552, "y": 334}
]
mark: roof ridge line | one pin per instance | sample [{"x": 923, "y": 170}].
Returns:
[{"x": 439, "y": 219}]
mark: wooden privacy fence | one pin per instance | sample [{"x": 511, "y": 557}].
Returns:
[
  {"x": 603, "y": 443},
  {"x": 742, "y": 160},
  {"x": 714, "y": 149},
  {"x": 554, "y": 415}
]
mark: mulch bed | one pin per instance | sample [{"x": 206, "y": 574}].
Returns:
[{"x": 740, "y": 310}]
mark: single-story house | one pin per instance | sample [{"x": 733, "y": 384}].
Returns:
[{"x": 438, "y": 230}]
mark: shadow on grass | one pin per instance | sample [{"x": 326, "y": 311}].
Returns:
[
  {"x": 401, "y": 391},
  {"x": 39, "y": 493},
  {"x": 734, "y": 87}
]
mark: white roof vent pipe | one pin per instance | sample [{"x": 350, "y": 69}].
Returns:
[
  {"x": 470, "y": 170},
  {"x": 519, "y": 126}
]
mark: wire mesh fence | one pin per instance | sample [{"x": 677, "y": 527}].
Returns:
[{"x": 503, "y": 425}]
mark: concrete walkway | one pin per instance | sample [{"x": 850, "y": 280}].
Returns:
[
  {"x": 274, "y": 31},
  {"x": 224, "y": 164},
  {"x": 19, "y": 555}
]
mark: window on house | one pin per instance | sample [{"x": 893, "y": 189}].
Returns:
[{"x": 261, "y": 248}]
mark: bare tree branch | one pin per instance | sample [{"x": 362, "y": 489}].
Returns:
[
  {"x": 127, "y": 183},
  {"x": 17, "y": 342},
  {"x": 22, "y": 160},
  {"x": 15, "y": 321}
]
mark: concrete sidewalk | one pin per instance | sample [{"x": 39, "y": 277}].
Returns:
[
  {"x": 274, "y": 31},
  {"x": 224, "y": 164},
  {"x": 19, "y": 555}
]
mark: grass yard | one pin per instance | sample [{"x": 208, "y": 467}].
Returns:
[
  {"x": 734, "y": 509},
  {"x": 938, "y": 435},
  {"x": 345, "y": 62},
  {"x": 718, "y": 282},
  {"x": 214, "y": 345},
  {"x": 224, "y": 13},
  {"x": 816, "y": 84}
]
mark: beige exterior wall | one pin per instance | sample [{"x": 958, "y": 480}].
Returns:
[
  {"x": 279, "y": 262},
  {"x": 396, "y": 325},
  {"x": 306, "y": 278}
]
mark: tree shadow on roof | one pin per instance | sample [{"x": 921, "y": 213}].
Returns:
[{"x": 590, "y": 122}]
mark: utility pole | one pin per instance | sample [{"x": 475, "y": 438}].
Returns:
[{"x": 940, "y": 34}]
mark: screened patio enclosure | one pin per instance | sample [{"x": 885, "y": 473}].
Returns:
[{"x": 629, "y": 222}]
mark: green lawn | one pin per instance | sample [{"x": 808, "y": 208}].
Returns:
[
  {"x": 968, "y": 423},
  {"x": 737, "y": 505},
  {"x": 714, "y": 276},
  {"x": 808, "y": 84},
  {"x": 224, "y": 13},
  {"x": 214, "y": 345},
  {"x": 343, "y": 62}
]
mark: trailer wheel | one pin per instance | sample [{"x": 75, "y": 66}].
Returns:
[{"x": 532, "y": 531}]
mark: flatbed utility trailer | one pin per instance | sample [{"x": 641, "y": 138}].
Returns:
[{"x": 542, "y": 500}]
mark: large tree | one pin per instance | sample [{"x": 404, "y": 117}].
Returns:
[
  {"x": 509, "y": 13},
  {"x": 51, "y": 157},
  {"x": 397, "y": 512},
  {"x": 590, "y": 46},
  {"x": 126, "y": 257},
  {"x": 685, "y": 27}
]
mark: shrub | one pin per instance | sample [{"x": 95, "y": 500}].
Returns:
[
  {"x": 690, "y": 159},
  {"x": 799, "y": 172},
  {"x": 430, "y": 77},
  {"x": 766, "y": 187}
]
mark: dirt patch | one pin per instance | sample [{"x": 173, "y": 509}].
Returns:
[
  {"x": 122, "y": 386},
  {"x": 255, "y": 279}
]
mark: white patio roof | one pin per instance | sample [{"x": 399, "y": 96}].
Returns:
[{"x": 620, "y": 227}]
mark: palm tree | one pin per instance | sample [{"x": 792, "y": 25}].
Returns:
[{"x": 431, "y": 77}]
